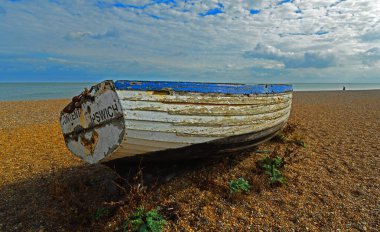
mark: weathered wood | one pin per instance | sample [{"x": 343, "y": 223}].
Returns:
[
  {"x": 201, "y": 120},
  {"x": 205, "y": 130},
  {"x": 173, "y": 133},
  {"x": 213, "y": 99},
  {"x": 204, "y": 109}
]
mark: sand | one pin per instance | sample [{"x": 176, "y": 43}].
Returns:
[{"x": 332, "y": 184}]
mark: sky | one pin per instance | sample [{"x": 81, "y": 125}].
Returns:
[{"x": 268, "y": 41}]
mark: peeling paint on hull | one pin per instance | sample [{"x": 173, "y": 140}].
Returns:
[{"x": 114, "y": 123}]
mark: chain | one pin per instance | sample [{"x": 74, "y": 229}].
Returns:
[{"x": 77, "y": 101}]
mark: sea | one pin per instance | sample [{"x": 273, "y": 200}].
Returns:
[{"x": 37, "y": 91}]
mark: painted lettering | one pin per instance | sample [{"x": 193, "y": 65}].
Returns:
[
  {"x": 104, "y": 114},
  {"x": 67, "y": 118},
  {"x": 114, "y": 107},
  {"x": 97, "y": 116},
  {"x": 110, "y": 114}
]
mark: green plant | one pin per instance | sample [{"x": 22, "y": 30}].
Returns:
[
  {"x": 271, "y": 167},
  {"x": 299, "y": 142},
  {"x": 100, "y": 212},
  {"x": 239, "y": 185},
  {"x": 145, "y": 221},
  {"x": 280, "y": 137}
]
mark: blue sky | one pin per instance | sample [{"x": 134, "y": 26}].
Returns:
[{"x": 219, "y": 41}]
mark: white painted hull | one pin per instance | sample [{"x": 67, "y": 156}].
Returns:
[{"x": 158, "y": 121}]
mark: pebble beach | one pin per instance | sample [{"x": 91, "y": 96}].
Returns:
[{"x": 332, "y": 183}]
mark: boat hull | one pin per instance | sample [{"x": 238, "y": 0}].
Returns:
[
  {"x": 204, "y": 151},
  {"x": 166, "y": 124}
]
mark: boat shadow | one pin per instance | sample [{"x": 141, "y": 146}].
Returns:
[
  {"x": 68, "y": 199},
  {"x": 63, "y": 200}
]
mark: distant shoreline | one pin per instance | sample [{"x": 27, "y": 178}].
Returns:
[{"x": 69, "y": 98}]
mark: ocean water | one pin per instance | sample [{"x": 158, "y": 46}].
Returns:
[{"x": 34, "y": 91}]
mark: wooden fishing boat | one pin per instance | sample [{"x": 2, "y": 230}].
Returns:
[{"x": 172, "y": 120}]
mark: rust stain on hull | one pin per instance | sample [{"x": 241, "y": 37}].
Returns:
[{"x": 90, "y": 144}]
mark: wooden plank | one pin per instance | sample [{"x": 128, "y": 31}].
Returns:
[
  {"x": 147, "y": 142},
  {"x": 196, "y": 130},
  {"x": 194, "y": 98},
  {"x": 167, "y": 137},
  {"x": 193, "y": 136},
  {"x": 196, "y": 109},
  {"x": 199, "y": 120}
]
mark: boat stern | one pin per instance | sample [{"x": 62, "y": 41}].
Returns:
[{"x": 93, "y": 124}]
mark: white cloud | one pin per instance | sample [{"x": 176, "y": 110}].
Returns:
[
  {"x": 172, "y": 38},
  {"x": 111, "y": 33},
  {"x": 307, "y": 59}
]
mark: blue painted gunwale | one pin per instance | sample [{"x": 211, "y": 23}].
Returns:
[{"x": 199, "y": 87}]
